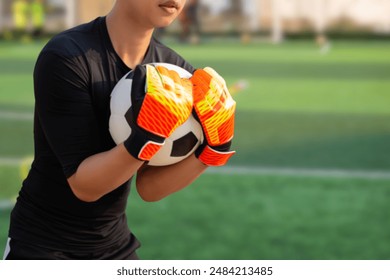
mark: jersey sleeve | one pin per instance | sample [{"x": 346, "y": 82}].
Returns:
[{"x": 64, "y": 109}]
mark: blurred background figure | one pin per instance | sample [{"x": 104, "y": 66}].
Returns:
[
  {"x": 37, "y": 10},
  {"x": 323, "y": 43},
  {"x": 189, "y": 21},
  {"x": 20, "y": 20}
]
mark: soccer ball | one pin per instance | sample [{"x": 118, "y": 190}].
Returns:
[{"x": 178, "y": 146}]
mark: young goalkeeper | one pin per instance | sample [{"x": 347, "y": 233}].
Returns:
[{"x": 72, "y": 203}]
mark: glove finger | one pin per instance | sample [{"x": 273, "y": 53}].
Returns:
[
  {"x": 201, "y": 81},
  {"x": 153, "y": 78},
  {"x": 170, "y": 78},
  {"x": 177, "y": 89},
  {"x": 184, "y": 91},
  {"x": 207, "y": 79},
  {"x": 215, "y": 75},
  {"x": 219, "y": 81}
]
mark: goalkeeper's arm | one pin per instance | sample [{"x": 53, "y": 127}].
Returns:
[
  {"x": 101, "y": 173},
  {"x": 104, "y": 172}
]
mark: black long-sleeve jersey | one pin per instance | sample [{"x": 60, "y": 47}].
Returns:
[{"x": 73, "y": 79}]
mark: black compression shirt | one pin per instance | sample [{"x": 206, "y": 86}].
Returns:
[{"x": 73, "y": 78}]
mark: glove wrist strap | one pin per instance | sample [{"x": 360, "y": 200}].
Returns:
[
  {"x": 212, "y": 157},
  {"x": 142, "y": 147}
]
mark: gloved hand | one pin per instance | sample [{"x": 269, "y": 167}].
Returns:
[
  {"x": 161, "y": 101},
  {"x": 215, "y": 108}
]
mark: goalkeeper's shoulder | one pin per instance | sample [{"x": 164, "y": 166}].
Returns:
[{"x": 168, "y": 55}]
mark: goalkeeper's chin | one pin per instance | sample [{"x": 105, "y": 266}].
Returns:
[{"x": 164, "y": 21}]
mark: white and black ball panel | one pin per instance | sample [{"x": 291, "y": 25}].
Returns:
[
  {"x": 119, "y": 104},
  {"x": 121, "y": 100},
  {"x": 180, "y": 144}
]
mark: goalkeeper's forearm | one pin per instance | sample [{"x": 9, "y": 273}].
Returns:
[
  {"x": 102, "y": 173},
  {"x": 156, "y": 182}
]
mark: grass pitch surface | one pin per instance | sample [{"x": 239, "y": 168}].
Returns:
[{"x": 303, "y": 110}]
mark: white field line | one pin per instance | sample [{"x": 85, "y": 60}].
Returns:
[
  {"x": 236, "y": 170},
  {"x": 255, "y": 170},
  {"x": 10, "y": 161},
  {"x": 18, "y": 116},
  {"x": 300, "y": 172},
  {"x": 6, "y": 204},
  {"x": 260, "y": 170}
]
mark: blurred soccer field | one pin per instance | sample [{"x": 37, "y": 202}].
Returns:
[{"x": 311, "y": 176}]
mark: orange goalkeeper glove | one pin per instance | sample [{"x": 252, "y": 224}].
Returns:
[
  {"x": 161, "y": 101},
  {"x": 215, "y": 108}
]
